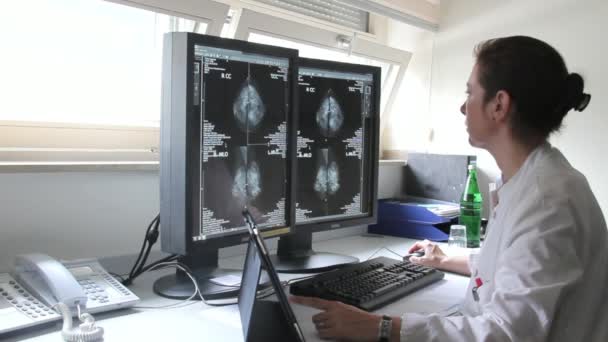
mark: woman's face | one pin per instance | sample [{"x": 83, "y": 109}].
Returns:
[{"x": 480, "y": 126}]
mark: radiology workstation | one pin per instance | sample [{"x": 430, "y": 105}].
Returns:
[{"x": 247, "y": 131}]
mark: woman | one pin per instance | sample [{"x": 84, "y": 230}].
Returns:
[{"x": 542, "y": 273}]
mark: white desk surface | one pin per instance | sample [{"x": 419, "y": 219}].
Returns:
[{"x": 196, "y": 321}]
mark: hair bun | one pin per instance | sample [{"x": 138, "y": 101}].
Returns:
[{"x": 577, "y": 99}]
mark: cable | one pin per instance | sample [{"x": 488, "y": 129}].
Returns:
[
  {"x": 143, "y": 246},
  {"x": 168, "y": 258},
  {"x": 139, "y": 268},
  {"x": 141, "y": 252},
  {"x": 397, "y": 254},
  {"x": 291, "y": 281},
  {"x": 86, "y": 332},
  {"x": 388, "y": 249},
  {"x": 177, "y": 265},
  {"x": 188, "y": 301},
  {"x": 196, "y": 292},
  {"x": 150, "y": 239},
  {"x": 120, "y": 277},
  {"x": 214, "y": 282}
]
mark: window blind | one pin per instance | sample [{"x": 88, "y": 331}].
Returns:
[{"x": 333, "y": 11}]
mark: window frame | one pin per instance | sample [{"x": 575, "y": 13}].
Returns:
[
  {"x": 209, "y": 12},
  {"x": 326, "y": 36},
  {"x": 60, "y": 146}
]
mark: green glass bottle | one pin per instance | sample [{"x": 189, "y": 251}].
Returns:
[{"x": 470, "y": 208}]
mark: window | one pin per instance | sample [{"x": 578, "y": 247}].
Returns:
[
  {"x": 328, "y": 43},
  {"x": 311, "y": 51},
  {"x": 81, "y": 80},
  {"x": 83, "y": 62}
]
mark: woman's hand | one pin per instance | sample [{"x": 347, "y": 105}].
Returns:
[
  {"x": 340, "y": 321},
  {"x": 433, "y": 255},
  {"x": 436, "y": 258}
]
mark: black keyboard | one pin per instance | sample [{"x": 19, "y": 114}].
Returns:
[{"x": 369, "y": 284}]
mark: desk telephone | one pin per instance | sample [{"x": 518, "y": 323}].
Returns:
[{"x": 37, "y": 282}]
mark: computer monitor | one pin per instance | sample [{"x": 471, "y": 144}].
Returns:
[
  {"x": 337, "y": 159},
  {"x": 226, "y": 145}
]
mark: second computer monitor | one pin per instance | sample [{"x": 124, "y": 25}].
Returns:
[
  {"x": 337, "y": 153},
  {"x": 337, "y": 159}
]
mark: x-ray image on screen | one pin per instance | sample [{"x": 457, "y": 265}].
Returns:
[
  {"x": 244, "y": 138},
  {"x": 247, "y": 185},
  {"x": 329, "y": 117},
  {"x": 248, "y": 108},
  {"x": 327, "y": 179},
  {"x": 331, "y": 130},
  {"x": 246, "y": 178},
  {"x": 325, "y": 188}
]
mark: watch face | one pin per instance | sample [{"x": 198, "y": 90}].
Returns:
[{"x": 385, "y": 328}]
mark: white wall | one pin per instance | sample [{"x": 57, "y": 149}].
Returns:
[
  {"x": 75, "y": 214},
  {"x": 576, "y": 28},
  {"x": 408, "y": 129},
  {"x": 71, "y": 215}
]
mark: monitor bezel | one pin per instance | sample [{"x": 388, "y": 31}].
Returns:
[{"x": 337, "y": 223}]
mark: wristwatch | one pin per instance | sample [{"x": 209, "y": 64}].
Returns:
[{"x": 385, "y": 329}]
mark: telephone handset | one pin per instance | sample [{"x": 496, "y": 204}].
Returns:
[
  {"x": 49, "y": 279},
  {"x": 38, "y": 282}
]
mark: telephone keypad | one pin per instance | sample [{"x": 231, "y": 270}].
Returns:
[
  {"x": 100, "y": 287},
  {"x": 91, "y": 289},
  {"x": 23, "y": 302},
  {"x": 95, "y": 292}
]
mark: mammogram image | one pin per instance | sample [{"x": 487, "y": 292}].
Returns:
[
  {"x": 247, "y": 180},
  {"x": 248, "y": 107},
  {"x": 327, "y": 181},
  {"x": 329, "y": 116}
]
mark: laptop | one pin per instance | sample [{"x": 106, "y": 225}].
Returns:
[{"x": 264, "y": 320}]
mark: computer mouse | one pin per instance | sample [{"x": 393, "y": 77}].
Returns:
[{"x": 419, "y": 253}]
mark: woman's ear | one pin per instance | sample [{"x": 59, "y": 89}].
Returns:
[{"x": 502, "y": 106}]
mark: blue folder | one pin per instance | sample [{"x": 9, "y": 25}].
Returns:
[{"x": 415, "y": 217}]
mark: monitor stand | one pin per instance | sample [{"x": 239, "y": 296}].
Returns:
[
  {"x": 295, "y": 255},
  {"x": 204, "y": 267}
]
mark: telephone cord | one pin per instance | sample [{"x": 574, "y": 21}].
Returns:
[{"x": 86, "y": 332}]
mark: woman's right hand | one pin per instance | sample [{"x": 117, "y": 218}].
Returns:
[
  {"x": 436, "y": 258},
  {"x": 433, "y": 255}
]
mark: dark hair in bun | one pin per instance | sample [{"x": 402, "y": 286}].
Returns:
[
  {"x": 575, "y": 98},
  {"x": 535, "y": 76}
]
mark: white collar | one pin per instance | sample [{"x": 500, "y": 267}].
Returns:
[{"x": 504, "y": 189}]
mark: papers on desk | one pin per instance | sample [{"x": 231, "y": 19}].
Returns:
[
  {"x": 443, "y": 210},
  {"x": 227, "y": 280}
]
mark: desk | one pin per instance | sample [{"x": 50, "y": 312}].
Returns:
[{"x": 196, "y": 321}]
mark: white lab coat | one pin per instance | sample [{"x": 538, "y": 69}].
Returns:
[{"x": 544, "y": 264}]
